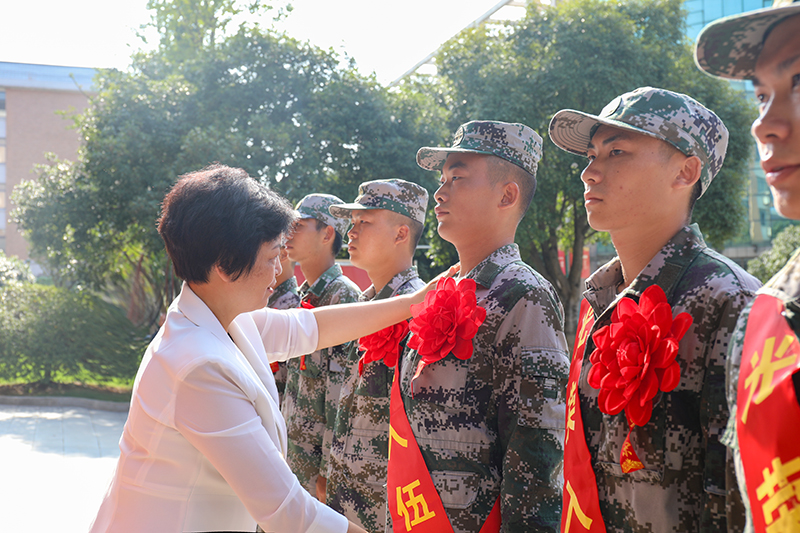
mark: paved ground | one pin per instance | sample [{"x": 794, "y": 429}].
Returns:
[{"x": 56, "y": 462}]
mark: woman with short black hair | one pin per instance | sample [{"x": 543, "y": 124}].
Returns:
[{"x": 204, "y": 445}]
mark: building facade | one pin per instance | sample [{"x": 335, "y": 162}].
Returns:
[{"x": 37, "y": 106}]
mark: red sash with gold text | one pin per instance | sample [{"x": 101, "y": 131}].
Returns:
[
  {"x": 581, "y": 508},
  {"x": 767, "y": 417},
  {"x": 414, "y": 502}
]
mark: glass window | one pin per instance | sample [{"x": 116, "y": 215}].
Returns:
[
  {"x": 2, "y": 200},
  {"x": 2, "y": 173},
  {"x": 3, "y": 222},
  {"x": 2, "y": 151},
  {"x": 2, "y": 100},
  {"x": 713, "y": 10},
  {"x": 3, "y": 127}
]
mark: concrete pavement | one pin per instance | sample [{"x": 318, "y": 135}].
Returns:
[{"x": 56, "y": 461}]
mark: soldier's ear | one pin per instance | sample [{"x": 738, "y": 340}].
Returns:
[
  {"x": 689, "y": 173},
  {"x": 510, "y": 196},
  {"x": 402, "y": 235}
]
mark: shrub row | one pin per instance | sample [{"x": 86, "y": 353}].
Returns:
[{"x": 50, "y": 331}]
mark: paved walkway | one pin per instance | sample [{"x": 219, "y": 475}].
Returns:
[{"x": 56, "y": 462}]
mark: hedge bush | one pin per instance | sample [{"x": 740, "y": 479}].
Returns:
[{"x": 51, "y": 331}]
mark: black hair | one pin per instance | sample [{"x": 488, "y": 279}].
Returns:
[
  {"x": 337, "y": 239},
  {"x": 220, "y": 216}
]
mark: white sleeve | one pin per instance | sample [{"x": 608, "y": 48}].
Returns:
[
  {"x": 216, "y": 417},
  {"x": 286, "y": 333}
]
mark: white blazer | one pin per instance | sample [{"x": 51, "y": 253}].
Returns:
[{"x": 204, "y": 445}]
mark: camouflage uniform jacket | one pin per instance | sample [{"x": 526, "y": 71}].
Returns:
[
  {"x": 493, "y": 425},
  {"x": 357, "y": 467},
  {"x": 311, "y": 395},
  {"x": 285, "y": 296},
  {"x": 785, "y": 285},
  {"x": 686, "y": 483}
]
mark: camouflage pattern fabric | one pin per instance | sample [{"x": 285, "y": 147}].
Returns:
[
  {"x": 316, "y": 206},
  {"x": 785, "y": 285},
  {"x": 516, "y": 143},
  {"x": 494, "y": 424},
  {"x": 729, "y": 47},
  {"x": 359, "y": 453},
  {"x": 311, "y": 395},
  {"x": 285, "y": 296},
  {"x": 396, "y": 195},
  {"x": 675, "y": 118},
  {"x": 686, "y": 484}
]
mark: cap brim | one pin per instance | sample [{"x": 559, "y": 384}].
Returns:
[
  {"x": 343, "y": 210},
  {"x": 433, "y": 158},
  {"x": 729, "y": 47},
  {"x": 571, "y": 130}
]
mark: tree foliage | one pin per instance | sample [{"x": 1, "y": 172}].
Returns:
[
  {"x": 771, "y": 261},
  {"x": 50, "y": 332},
  {"x": 13, "y": 270},
  {"x": 580, "y": 54},
  {"x": 293, "y": 116}
]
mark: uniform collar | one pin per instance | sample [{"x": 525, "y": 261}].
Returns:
[
  {"x": 289, "y": 285},
  {"x": 488, "y": 269},
  {"x": 391, "y": 288},
  {"x": 785, "y": 285},
  {"x": 665, "y": 269},
  {"x": 319, "y": 286}
]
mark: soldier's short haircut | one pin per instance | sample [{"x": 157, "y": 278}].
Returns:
[
  {"x": 337, "y": 239},
  {"x": 220, "y": 216},
  {"x": 500, "y": 169}
]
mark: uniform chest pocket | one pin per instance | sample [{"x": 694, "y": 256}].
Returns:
[
  {"x": 442, "y": 383},
  {"x": 542, "y": 389}
]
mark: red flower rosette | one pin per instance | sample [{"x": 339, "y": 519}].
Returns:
[
  {"x": 384, "y": 344},
  {"x": 634, "y": 358},
  {"x": 446, "y": 322},
  {"x": 304, "y": 305}
]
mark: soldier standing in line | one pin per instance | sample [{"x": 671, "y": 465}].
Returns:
[
  {"x": 645, "y": 401},
  {"x": 313, "y": 381},
  {"x": 388, "y": 218},
  {"x": 285, "y": 296},
  {"x": 763, "y": 373},
  {"x": 476, "y": 436}
]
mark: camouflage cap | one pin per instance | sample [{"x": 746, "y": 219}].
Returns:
[
  {"x": 399, "y": 196},
  {"x": 675, "y": 118},
  {"x": 729, "y": 47},
  {"x": 316, "y": 206},
  {"x": 516, "y": 143}
]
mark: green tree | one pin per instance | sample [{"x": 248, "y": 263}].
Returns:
[
  {"x": 293, "y": 116},
  {"x": 13, "y": 270},
  {"x": 580, "y": 54},
  {"x": 768, "y": 263}
]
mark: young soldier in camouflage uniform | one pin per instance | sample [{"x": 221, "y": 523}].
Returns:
[
  {"x": 651, "y": 154},
  {"x": 763, "y": 46},
  {"x": 490, "y": 427},
  {"x": 284, "y": 296},
  {"x": 388, "y": 218},
  {"x": 314, "y": 381}
]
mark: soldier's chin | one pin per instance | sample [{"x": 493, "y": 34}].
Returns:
[{"x": 445, "y": 232}]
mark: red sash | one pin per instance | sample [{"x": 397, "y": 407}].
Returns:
[
  {"x": 767, "y": 417},
  {"x": 414, "y": 502},
  {"x": 581, "y": 508}
]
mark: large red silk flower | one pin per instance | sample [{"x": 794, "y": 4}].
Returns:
[
  {"x": 446, "y": 321},
  {"x": 384, "y": 344},
  {"x": 635, "y": 355}
]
